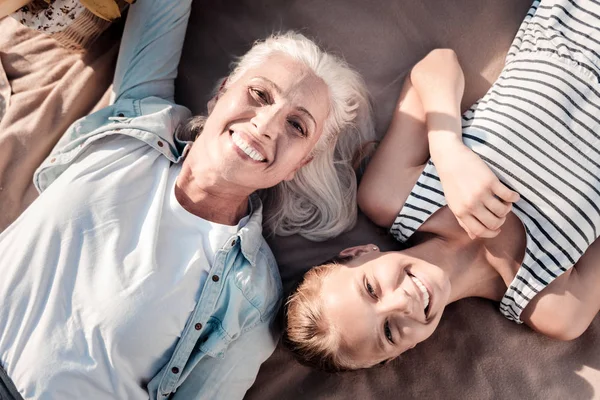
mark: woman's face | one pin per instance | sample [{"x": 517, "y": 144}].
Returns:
[
  {"x": 264, "y": 126},
  {"x": 384, "y": 304}
]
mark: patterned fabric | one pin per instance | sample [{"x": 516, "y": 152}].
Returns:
[
  {"x": 55, "y": 18},
  {"x": 538, "y": 128}
]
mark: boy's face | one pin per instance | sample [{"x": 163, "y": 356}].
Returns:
[{"x": 384, "y": 304}]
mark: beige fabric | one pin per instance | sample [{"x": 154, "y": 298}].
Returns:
[{"x": 47, "y": 88}]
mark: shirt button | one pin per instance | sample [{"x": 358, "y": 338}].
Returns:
[
  {"x": 52, "y": 160},
  {"x": 160, "y": 144},
  {"x": 215, "y": 278},
  {"x": 233, "y": 243},
  {"x": 175, "y": 370},
  {"x": 120, "y": 115},
  {"x": 198, "y": 326}
]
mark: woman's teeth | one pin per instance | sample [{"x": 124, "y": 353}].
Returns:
[
  {"x": 246, "y": 148},
  {"x": 423, "y": 290}
]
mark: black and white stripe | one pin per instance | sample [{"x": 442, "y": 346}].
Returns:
[{"x": 538, "y": 128}]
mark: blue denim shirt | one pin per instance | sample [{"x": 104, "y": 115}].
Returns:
[{"x": 229, "y": 333}]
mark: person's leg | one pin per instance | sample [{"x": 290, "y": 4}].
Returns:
[
  {"x": 566, "y": 308},
  {"x": 151, "y": 49},
  {"x": 398, "y": 161}
]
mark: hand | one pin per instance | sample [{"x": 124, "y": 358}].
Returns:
[{"x": 477, "y": 198}]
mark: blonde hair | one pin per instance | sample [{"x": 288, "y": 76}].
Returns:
[
  {"x": 320, "y": 202},
  {"x": 308, "y": 333}
]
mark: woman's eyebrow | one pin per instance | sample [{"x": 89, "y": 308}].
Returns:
[
  {"x": 278, "y": 90},
  {"x": 379, "y": 334}
]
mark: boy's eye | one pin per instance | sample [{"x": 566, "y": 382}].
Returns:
[{"x": 388, "y": 332}]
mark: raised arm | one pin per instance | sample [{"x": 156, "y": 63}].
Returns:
[
  {"x": 474, "y": 194},
  {"x": 398, "y": 161},
  {"x": 150, "y": 49}
]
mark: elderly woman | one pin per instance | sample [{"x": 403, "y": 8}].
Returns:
[
  {"x": 141, "y": 271},
  {"x": 446, "y": 190}
]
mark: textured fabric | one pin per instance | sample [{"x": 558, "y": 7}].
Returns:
[
  {"x": 101, "y": 262},
  {"x": 72, "y": 25},
  {"x": 45, "y": 90},
  {"x": 538, "y": 129},
  {"x": 55, "y": 17}
]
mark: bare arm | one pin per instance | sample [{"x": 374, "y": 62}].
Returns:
[
  {"x": 398, "y": 161},
  {"x": 427, "y": 120},
  {"x": 427, "y": 117},
  {"x": 475, "y": 195},
  {"x": 566, "y": 307}
]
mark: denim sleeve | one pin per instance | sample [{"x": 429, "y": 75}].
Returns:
[
  {"x": 151, "y": 49},
  {"x": 230, "y": 377}
]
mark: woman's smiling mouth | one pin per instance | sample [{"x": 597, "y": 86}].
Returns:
[
  {"x": 247, "y": 148},
  {"x": 425, "y": 295}
]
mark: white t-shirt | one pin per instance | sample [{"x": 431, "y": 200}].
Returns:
[{"x": 100, "y": 274}]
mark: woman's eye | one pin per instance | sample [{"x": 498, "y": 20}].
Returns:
[
  {"x": 260, "y": 95},
  {"x": 388, "y": 332},
  {"x": 297, "y": 127},
  {"x": 371, "y": 290}
]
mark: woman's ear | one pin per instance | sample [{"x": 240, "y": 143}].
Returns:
[
  {"x": 358, "y": 250},
  {"x": 210, "y": 106},
  {"x": 292, "y": 174}
]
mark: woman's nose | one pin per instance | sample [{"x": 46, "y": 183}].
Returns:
[
  {"x": 397, "y": 301},
  {"x": 266, "y": 122}
]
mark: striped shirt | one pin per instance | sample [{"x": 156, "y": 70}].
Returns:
[{"x": 538, "y": 129}]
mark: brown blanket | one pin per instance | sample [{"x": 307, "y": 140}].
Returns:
[{"x": 476, "y": 353}]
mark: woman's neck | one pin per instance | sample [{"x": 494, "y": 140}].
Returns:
[
  {"x": 201, "y": 193},
  {"x": 465, "y": 264},
  {"x": 476, "y": 268}
]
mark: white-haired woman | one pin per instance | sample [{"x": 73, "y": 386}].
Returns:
[{"x": 141, "y": 270}]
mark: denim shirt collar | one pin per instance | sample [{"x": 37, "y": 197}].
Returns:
[{"x": 251, "y": 234}]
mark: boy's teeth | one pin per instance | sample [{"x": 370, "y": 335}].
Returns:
[
  {"x": 423, "y": 290},
  {"x": 246, "y": 148}
]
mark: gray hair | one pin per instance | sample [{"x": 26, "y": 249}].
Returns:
[{"x": 320, "y": 202}]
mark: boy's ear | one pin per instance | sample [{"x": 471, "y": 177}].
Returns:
[{"x": 358, "y": 250}]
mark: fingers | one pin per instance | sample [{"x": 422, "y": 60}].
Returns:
[
  {"x": 498, "y": 207},
  {"x": 475, "y": 229},
  {"x": 504, "y": 193}
]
